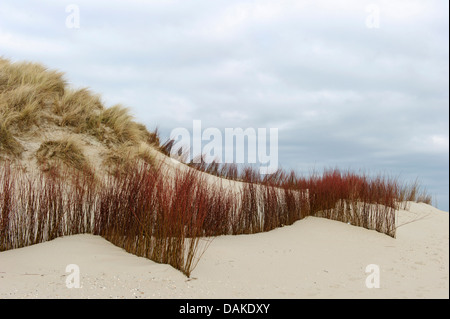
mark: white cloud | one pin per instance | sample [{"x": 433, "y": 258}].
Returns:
[
  {"x": 31, "y": 45},
  {"x": 234, "y": 116},
  {"x": 440, "y": 143}
]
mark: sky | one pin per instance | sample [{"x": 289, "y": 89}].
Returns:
[{"x": 360, "y": 85}]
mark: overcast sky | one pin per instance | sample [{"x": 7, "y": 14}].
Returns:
[{"x": 354, "y": 84}]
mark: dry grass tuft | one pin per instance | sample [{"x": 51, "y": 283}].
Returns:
[
  {"x": 22, "y": 105},
  {"x": 8, "y": 143},
  {"x": 122, "y": 157},
  {"x": 151, "y": 138},
  {"x": 121, "y": 122},
  {"x": 413, "y": 192},
  {"x": 68, "y": 151},
  {"x": 48, "y": 82},
  {"x": 82, "y": 110}
]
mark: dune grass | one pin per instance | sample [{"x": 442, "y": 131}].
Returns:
[
  {"x": 140, "y": 211},
  {"x": 172, "y": 220},
  {"x": 81, "y": 110},
  {"x": 41, "y": 209},
  {"x": 31, "y": 96},
  {"x": 18, "y": 74},
  {"x": 121, "y": 157},
  {"x": 67, "y": 150},
  {"x": 25, "y": 91},
  {"x": 414, "y": 192},
  {"x": 8, "y": 143}
]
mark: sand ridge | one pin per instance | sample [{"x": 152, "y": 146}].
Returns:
[{"x": 313, "y": 258}]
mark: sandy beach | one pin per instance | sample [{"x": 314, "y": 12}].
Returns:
[{"x": 313, "y": 258}]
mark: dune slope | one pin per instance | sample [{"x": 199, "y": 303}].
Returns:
[{"x": 313, "y": 258}]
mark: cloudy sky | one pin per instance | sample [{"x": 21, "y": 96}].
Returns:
[{"x": 354, "y": 84}]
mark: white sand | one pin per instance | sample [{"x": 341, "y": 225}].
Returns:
[{"x": 314, "y": 258}]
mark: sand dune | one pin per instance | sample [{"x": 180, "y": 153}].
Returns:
[
  {"x": 313, "y": 258},
  {"x": 56, "y": 125}
]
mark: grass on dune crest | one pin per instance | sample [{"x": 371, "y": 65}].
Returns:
[
  {"x": 414, "y": 192},
  {"x": 120, "y": 158},
  {"x": 35, "y": 99},
  {"x": 48, "y": 82},
  {"x": 121, "y": 122},
  {"x": 81, "y": 110}
]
